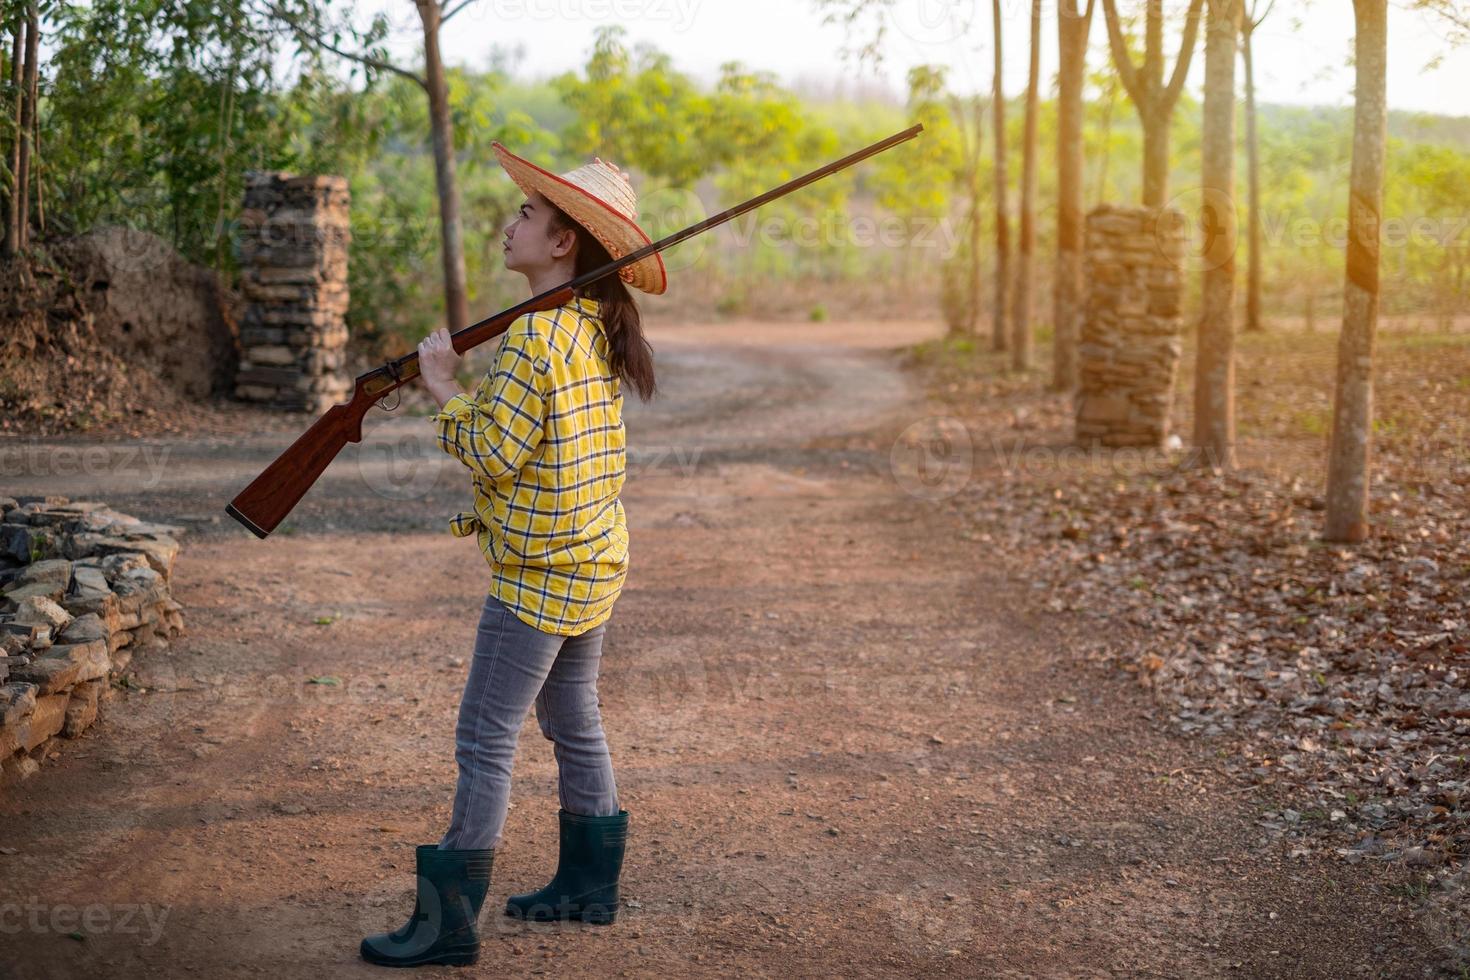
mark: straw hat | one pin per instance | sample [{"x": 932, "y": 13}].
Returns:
[{"x": 600, "y": 198}]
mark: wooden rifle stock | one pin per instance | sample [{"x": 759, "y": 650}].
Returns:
[{"x": 262, "y": 505}]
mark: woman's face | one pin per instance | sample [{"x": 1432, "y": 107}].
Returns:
[{"x": 530, "y": 246}]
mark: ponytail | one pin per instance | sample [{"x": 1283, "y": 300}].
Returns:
[{"x": 629, "y": 353}]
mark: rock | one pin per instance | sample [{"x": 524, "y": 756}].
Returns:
[
  {"x": 46, "y": 517},
  {"x": 95, "y": 521},
  {"x": 272, "y": 355},
  {"x": 25, "y": 632},
  {"x": 20, "y": 767},
  {"x": 55, "y": 571},
  {"x": 25, "y": 514},
  {"x": 42, "y": 499},
  {"x": 62, "y": 666},
  {"x": 137, "y": 589},
  {"x": 159, "y": 552},
  {"x": 1103, "y": 408},
  {"x": 17, "y": 699},
  {"x": 139, "y": 580},
  {"x": 80, "y": 507},
  {"x": 8, "y": 503},
  {"x": 104, "y": 605},
  {"x": 43, "y": 722},
  {"x": 81, "y": 710},
  {"x": 32, "y": 638},
  {"x": 17, "y": 595},
  {"x": 114, "y": 565},
  {"x": 15, "y": 540},
  {"x": 41, "y": 611},
  {"x": 88, "y": 582},
  {"x": 84, "y": 629}
]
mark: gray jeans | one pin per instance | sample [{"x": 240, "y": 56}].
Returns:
[{"x": 515, "y": 664}]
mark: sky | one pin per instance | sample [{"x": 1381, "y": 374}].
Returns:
[{"x": 1302, "y": 50}]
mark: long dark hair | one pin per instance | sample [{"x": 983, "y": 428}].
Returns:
[{"x": 630, "y": 354}]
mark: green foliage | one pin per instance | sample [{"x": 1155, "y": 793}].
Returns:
[
  {"x": 921, "y": 177},
  {"x": 152, "y": 113}
]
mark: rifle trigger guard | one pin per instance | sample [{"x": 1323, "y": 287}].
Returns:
[{"x": 396, "y": 373}]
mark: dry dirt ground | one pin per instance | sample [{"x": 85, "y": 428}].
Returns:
[{"x": 850, "y": 741}]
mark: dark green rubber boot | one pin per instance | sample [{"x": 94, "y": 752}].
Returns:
[
  {"x": 585, "y": 886},
  {"x": 444, "y": 925}
]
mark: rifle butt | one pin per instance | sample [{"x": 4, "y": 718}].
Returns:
[{"x": 272, "y": 495}]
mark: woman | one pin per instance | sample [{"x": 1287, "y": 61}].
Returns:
[{"x": 543, "y": 439}]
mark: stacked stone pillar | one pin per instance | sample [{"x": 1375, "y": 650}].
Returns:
[
  {"x": 293, "y": 252},
  {"x": 1128, "y": 351}
]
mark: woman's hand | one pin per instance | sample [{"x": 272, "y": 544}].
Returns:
[
  {"x": 438, "y": 365},
  {"x": 437, "y": 360}
]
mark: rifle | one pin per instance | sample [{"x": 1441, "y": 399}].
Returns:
[{"x": 263, "y": 504}]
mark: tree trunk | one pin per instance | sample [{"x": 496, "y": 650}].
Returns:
[
  {"x": 27, "y": 114},
  {"x": 1348, "y": 460},
  {"x": 1152, "y": 96},
  {"x": 972, "y": 318},
  {"x": 1107, "y": 141},
  {"x": 12, "y": 198},
  {"x": 1253, "y": 176},
  {"x": 1025, "y": 264},
  {"x": 1155, "y": 125},
  {"x": 1214, "y": 374},
  {"x": 456, "y": 303},
  {"x": 1000, "y": 320},
  {"x": 36, "y": 160},
  {"x": 1072, "y": 28}
]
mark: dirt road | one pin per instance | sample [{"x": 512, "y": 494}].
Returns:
[{"x": 851, "y": 744}]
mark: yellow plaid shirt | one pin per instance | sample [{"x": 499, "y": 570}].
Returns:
[{"x": 543, "y": 438}]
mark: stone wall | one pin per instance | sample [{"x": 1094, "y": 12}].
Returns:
[
  {"x": 293, "y": 256},
  {"x": 81, "y": 588},
  {"x": 1128, "y": 352}
]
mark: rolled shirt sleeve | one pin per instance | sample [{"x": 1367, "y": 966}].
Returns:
[{"x": 497, "y": 430}]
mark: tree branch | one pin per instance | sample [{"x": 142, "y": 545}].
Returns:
[
  {"x": 363, "y": 59},
  {"x": 1126, "y": 72},
  {"x": 448, "y": 14},
  {"x": 1186, "y": 53}
]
